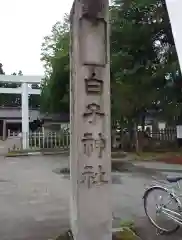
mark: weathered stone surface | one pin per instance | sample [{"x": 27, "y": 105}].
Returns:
[{"x": 90, "y": 153}]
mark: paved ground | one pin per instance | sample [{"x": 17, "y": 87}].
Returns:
[{"x": 34, "y": 200}]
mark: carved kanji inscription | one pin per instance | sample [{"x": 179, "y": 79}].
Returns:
[
  {"x": 90, "y": 144},
  {"x": 87, "y": 176},
  {"x": 92, "y": 111},
  {"x": 90, "y": 178},
  {"x": 93, "y": 85},
  {"x": 100, "y": 144},
  {"x": 100, "y": 176}
]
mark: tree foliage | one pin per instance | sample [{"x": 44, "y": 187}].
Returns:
[
  {"x": 143, "y": 57},
  {"x": 145, "y": 75},
  {"x": 55, "y": 55}
]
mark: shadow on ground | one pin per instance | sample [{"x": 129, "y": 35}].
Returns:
[
  {"x": 117, "y": 169},
  {"x": 147, "y": 232}
]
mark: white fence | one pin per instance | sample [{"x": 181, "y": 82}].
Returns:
[
  {"x": 12, "y": 134},
  {"x": 51, "y": 140},
  {"x": 41, "y": 140}
]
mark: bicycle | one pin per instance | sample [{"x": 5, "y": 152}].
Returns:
[{"x": 172, "y": 217}]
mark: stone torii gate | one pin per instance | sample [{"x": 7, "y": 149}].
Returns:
[{"x": 25, "y": 91}]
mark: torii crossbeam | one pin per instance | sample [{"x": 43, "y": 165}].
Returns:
[{"x": 25, "y": 91}]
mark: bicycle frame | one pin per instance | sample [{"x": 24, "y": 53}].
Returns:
[
  {"x": 169, "y": 213},
  {"x": 176, "y": 216}
]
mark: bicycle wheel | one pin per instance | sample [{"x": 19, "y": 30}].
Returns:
[{"x": 162, "y": 221}]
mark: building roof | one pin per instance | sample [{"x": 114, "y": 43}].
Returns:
[
  {"x": 16, "y": 113},
  {"x": 56, "y": 117}
]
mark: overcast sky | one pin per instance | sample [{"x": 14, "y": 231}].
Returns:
[{"x": 24, "y": 23}]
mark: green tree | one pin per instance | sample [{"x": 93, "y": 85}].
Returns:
[
  {"x": 144, "y": 66},
  {"x": 143, "y": 55},
  {"x": 55, "y": 55}
]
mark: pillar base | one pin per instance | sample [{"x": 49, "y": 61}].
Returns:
[
  {"x": 66, "y": 236},
  {"x": 117, "y": 235}
]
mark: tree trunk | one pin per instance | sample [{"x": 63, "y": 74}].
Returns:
[
  {"x": 143, "y": 122},
  {"x": 136, "y": 137},
  {"x": 130, "y": 135},
  {"x": 155, "y": 127}
]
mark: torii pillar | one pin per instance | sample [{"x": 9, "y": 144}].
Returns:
[
  {"x": 25, "y": 91},
  {"x": 90, "y": 147}
]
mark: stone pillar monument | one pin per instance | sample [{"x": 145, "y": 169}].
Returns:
[{"x": 90, "y": 154}]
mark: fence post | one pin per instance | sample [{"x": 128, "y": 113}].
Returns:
[
  {"x": 35, "y": 140},
  {"x": 43, "y": 138},
  {"x": 67, "y": 137},
  {"x": 63, "y": 141},
  {"x": 47, "y": 140},
  {"x": 51, "y": 140},
  {"x": 39, "y": 140},
  {"x": 66, "y": 141},
  {"x": 59, "y": 140},
  {"x": 55, "y": 145},
  {"x": 9, "y": 133},
  {"x": 30, "y": 140}
]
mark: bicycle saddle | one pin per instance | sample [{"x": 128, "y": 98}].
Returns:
[{"x": 173, "y": 179}]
